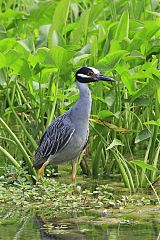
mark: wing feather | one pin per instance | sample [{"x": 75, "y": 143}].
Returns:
[{"x": 55, "y": 138}]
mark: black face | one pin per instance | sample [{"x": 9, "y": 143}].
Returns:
[{"x": 86, "y": 75}]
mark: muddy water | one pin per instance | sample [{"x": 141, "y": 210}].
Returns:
[{"x": 131, "y": 223}]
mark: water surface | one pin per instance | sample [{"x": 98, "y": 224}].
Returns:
[{"x": 137, "y": 223}]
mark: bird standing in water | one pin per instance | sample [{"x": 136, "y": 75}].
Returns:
[{"x": 66, "y": 137}]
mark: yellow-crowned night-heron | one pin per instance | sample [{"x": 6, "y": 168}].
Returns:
[{"x": 66, "y": 137}]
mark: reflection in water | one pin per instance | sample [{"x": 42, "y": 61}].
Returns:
[
  {"x": 87, "y": 225},
  {"x": 92, "y": 227}
]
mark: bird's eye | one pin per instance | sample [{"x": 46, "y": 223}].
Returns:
[{"x": 90, "y": 73}]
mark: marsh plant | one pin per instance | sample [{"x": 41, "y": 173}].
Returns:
[{"x": 42, "y": 43}]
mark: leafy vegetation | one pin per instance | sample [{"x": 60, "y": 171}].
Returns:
[{"x": 42, "y": 43}]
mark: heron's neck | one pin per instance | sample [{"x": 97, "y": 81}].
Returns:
[
  {"x": 83, "y": 105},
  {"x": 84, "y": 91}
]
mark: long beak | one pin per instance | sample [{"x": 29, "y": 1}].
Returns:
[{"x": 101, "y": 77}]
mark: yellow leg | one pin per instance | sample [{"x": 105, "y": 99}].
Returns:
[
  {"x": 41, "y": 170},
  {"x": 74, "y": 171}
]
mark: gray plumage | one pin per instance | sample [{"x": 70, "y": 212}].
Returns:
[{"x": 66, "y": 137}]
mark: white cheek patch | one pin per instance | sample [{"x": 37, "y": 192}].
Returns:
[
  {"x": 83, "y": 75},
  {"x": 94, "y": 70}
]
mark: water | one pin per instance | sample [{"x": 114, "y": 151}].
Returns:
[{"x": 135, "y": 223}]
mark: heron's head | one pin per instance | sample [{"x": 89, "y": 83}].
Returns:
[{"x": 90, "y": 74}]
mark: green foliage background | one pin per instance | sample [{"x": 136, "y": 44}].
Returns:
[{"x": 42, "y": 43}]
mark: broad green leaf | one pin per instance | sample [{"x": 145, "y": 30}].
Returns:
[
  {"x": 142, "y": 39},
  {"x": 59, "y": 19},
  {"x": 27, "y": 44},
  {"x": 114, "y": 46},
  {"x": 128, "y": 82},
  {"x": 82, "y": 27},
  {"x": 60, "y": 15},
  {"x": 40, "y": 14},
  {"x": 104, "y": 114},
  {"x": 116, "y": 142},
  {"x": 57, "y": 39},
  {"x": 111, "y": 60},
  {"x": 9, "y": 14},
  {"x": 146, "y": 89},
  {"x": 58, "y": 57},
  {"x": 95, "y": 11},
  {"x": 143, "y": 135},
  {"x": 143, "y": 165},
  {"x": 39, "y": 57},
  {"x": 21, "y": 67},
  {"x": 123, "y": 27},
  {"x": 12, "y": 56},
  {"x": 7, "y": 44}
]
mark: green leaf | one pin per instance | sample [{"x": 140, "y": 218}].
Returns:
[
  {"x": 12, "y": 56},
  {"x": 128, "y": 82},
  {"x": 58, "y": 57},
  {"x": 152, "y": 122},
  {"x": 9, "y": 15},
  {"x": 143, "y": 165},
  {"x": 104, "y": 114},
  {"x": 39, "y": 57},
  {"x": 111, "y": 60},
  {"x": 40, "y": 14},
  {"x": 2, "y": 61},
  {"x": 157, "y": 14},
  {"x": 80, "y": 59},
  {"x": 21, "y": 67},
  {"x": 60, "y": 15},
  {"x": 123, "y": 27},
  {"x": 116, "y": 142},
  {"x": 143, "y": 135},
  {"x": 82, "y": 27},
  {"x": 59, "y": 20},
  {"x": 57, "y": 39}
]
